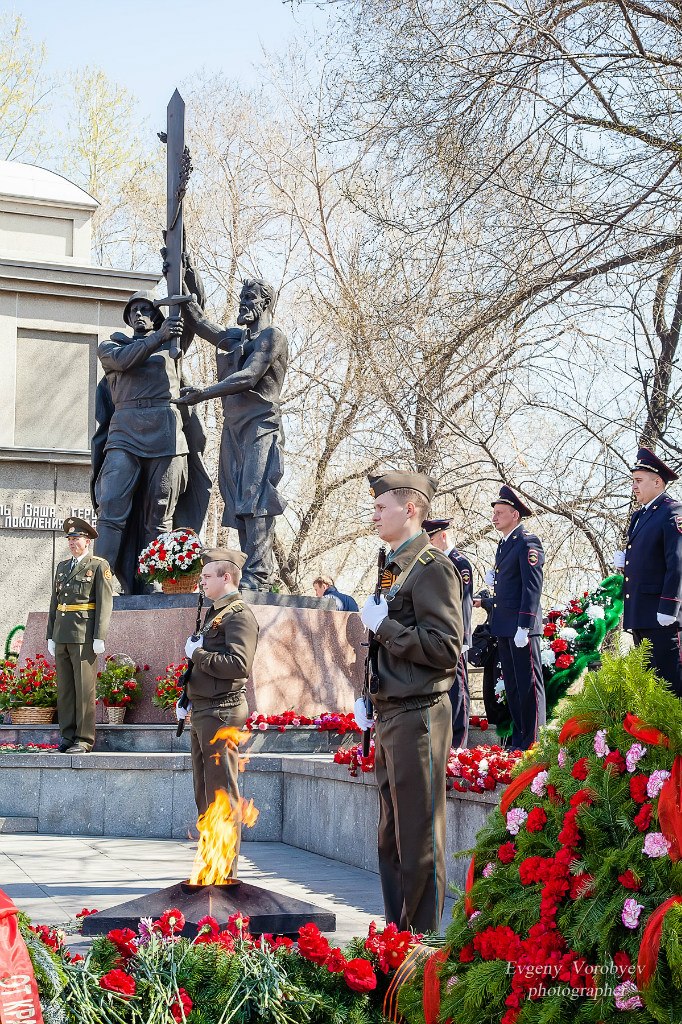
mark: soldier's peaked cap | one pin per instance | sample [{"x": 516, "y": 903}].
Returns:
[
  {"x": 396, "y": 479},
  {"x": 436, "y": 525},
  {"x": 507, "y": 497},
  {"x": 141, "y": 297},
  {"x": 237, "y": 558},
  {"x": 646, "y": 459},
  {"x": 74, "y": 527}
]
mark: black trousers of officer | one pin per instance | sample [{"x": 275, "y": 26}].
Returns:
[
  {"x": 666, "y": 653},
  {"x": 460, "y": 700},
  {"x": 525, "y": 688}
]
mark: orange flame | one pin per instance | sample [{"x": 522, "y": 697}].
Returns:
[{"x": 219, "y": 827}]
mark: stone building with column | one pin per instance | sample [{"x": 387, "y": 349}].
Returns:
[{"x": 55, "y": 308}]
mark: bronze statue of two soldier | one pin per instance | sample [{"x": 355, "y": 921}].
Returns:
[{"x": 147, "y": 454}]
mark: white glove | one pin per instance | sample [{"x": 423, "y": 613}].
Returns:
[
  {"x": 181, "y": 712},
  {"x": 489, "y": 578},
  {"x": 372, "y": 614},
  {"x": 50, "y": 648},
  {"x": 98, "y": 646},
  {"x": 618, "y": 559},
  {"x": 360, "y": 712},
  {"x": 666, "y": 620},
  {"x": 521, "y": 637},
  {"x": 192, "y": 645}
]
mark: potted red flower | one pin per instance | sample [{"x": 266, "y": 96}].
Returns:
[
  {"x": 119, "y": 685},
  {"x": 28, "y": 691}
]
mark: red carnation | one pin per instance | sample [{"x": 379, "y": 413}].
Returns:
[
  {"x": 336, "y": 962},
  {"x": 124, "y": 940},
  {"x": 564, "y": 661},
  {"x": 638, "y": 784},
  {"x": 536, "y": 820},
  {"x": 616, "y": 760},
  {"x": 181, "y": 1007},
  {"x": 623, "y": 964},
  {"x": 559, "y": 645},
  {"x": 628, "y": 881},
  {"x": 549, "y": 630},
  {"x": 171, "y": 921},
  {"x": 506, "y": 853},
  {"x": 312, "y": 944},
  {"x": 581, "y": 885},
  {"x": 583, "y": 796},
  {"x": 466, "y": 953},
  {"x": 554, "y": 794},
  {"x": 359, "y": 975},
  {"x": 580, "y": 769},
  {"x": 643, "y": 817},
  {"x": 118, "y": 981}
]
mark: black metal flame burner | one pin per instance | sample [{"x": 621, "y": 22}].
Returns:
[{"x": 268, "y": 911}]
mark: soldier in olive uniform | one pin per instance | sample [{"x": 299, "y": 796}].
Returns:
[
  {"x": 418, "y": 627},
  {"x": 80, "y": 609},
  {"x": 221, "y": 658}
]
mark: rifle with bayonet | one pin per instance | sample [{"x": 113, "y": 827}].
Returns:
[
  {"x": 185, "y": 677},
  {"x": 371, "y": 683}
]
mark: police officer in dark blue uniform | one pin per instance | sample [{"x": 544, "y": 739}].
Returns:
[
  {"x": 437, "y": 529},
  {"x": 652, "y": 566},
  {"x": 516, "y": 618}
]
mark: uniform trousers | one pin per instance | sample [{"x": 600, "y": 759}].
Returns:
[
  {"x": 255, "y": 540},
  {"x": 461, "y": 702},
  {"x": 216, "y": 765},
  {"x": 666, "y": 653},
  {"x": 412, "y": 748},
  {"x": 76, "y": 666},
  {"x": 525, "y": 689},
  {"x": 159, "y": 482}
]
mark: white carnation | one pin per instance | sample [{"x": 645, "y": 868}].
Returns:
[
  {"x": 547, "y": 657},
  {"x": 568, "y": 633},
  {"x": 594, "y": 611}
]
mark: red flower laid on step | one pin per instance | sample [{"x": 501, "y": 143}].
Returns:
[
  {"x": 312, "y": 945},
  {"x": 171, "y": 921},
  {"x": 336, "y": 962},
  {"x": 124, "y": 940},
  {"x": 119, "y": 982}
]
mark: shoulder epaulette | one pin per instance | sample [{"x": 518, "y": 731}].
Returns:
[{"x": 427, "y": 557}]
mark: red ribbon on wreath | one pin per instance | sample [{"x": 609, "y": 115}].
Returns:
[
  {"x": 468, "y": 905},
  {"x": 579, "y": 725},
  {"x": 19, "y": 1000},
  {"x": 670, "y": 810},
  {"x": 641, "y": 731},
  {"x": 517, "y": 785},
  {"x": 431, "y": 996},
  {"x": 651, "y": 943}
]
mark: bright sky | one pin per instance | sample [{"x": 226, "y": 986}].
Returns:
[{"x": 152, "y": 46}]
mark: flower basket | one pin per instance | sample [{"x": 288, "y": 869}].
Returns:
[
  {"x": 119, "y": 684},
  {"x": 32, "y": 716},
  {"x": 29, "y": 686},
  {"x": 185, "y": 584},
  {"x": 115, "y": 715},
  {"x": 172, "y": 558}
]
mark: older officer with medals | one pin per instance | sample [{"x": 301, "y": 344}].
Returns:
[
  {"x": 80, "y": 609},
  {"x": 438, "y": 531},
  {"x": 652, "y": 566},
  {"x": 417, "y": 625},
  {"x": 516, "y": 618},
  {"x": 220, "y": 658}
]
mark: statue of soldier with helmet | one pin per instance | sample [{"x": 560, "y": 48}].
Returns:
[{"x": 148, "y": 473}]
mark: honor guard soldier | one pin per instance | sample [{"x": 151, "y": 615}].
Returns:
[
  {"x": 417, "y": 626},
  {"x": 652, "y": 566},
  {"x": 516, "y": 618},
  {"x": 80, "y": 610},
  {"x": 437, "y": 529},
  {"x": 220, "y": 658}
]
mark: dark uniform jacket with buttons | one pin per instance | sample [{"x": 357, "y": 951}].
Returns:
[
  {"x": 421, "y": 638},
  {"x": 223, "y": 664},
  {"x": 82, "y": 601},
  {"x": 463, "y": 567},
  {"x": 518, "y": 585},
  {"x": 653, "y": 564}
]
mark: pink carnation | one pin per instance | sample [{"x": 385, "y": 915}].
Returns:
[
  {"x": 634, "y": 755},
  {"x": 600, "y": 746},
  {"x": 539, "y": 783},
  {"x": 561, "y": 757},
  {"x": 515, "y": 819},
  {"x": 655, "y": 845},
  {"x": 626, "y": 996},
  {"x": 631, "y": 911},
  {"x": 655, "y": 783},
  {"x": 488, "y": 870}
]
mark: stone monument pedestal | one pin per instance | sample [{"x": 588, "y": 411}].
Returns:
[{"x": 309, "y": 658}]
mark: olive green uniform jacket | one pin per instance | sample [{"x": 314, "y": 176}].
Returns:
[
  {"x": 223, "y": 663},
  {"x": 87, "y": 584}
]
